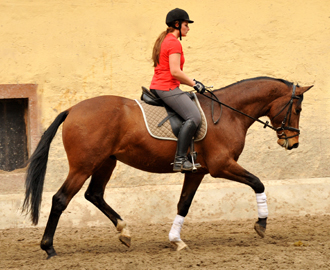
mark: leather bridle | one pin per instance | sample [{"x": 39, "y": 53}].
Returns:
[{"x": 286, "y": 119}]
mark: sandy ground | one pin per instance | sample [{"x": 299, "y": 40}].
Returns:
[{"x": 297, "y": 243}]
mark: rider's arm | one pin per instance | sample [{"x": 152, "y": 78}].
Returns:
[{"x": 177, "y": 73}]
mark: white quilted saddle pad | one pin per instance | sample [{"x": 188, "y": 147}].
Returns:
[{"x": 153, "y": 115}]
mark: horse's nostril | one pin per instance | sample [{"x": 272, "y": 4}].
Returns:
[{"x": 295, "y": 145}]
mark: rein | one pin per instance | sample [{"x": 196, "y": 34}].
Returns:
[{"x": 265, "y": 124}]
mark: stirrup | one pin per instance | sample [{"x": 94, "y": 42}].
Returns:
[
  {"x": 182, "y": 164},
  {"x": 195, "y": 166},
  {"x": 193, "y": 156}
]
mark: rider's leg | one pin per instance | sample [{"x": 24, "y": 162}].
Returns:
[
  {"x": 181, "y": 103},
  {"x": 181, "y": 162}
]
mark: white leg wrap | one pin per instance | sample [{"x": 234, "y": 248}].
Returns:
[
  {"x": 262, "y": 205},
  {"x": 175, "y": 231}
]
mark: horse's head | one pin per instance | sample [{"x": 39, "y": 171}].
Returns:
[{"x": 284, "y": 115}]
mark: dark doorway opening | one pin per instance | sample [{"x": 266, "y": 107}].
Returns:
[{"x": 13, "y": 133}]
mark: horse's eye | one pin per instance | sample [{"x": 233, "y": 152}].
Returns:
[{"x": 298, "y": 111}]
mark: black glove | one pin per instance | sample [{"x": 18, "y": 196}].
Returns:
[{"x": 199, "y": 87}]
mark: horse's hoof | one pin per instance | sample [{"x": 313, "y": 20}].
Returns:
[
  {"x": 180, "y": 245},
  {"x": 51, "y": 253},
  {"x": 260, "y": 230},
  {"x": 51, "y": 256},
  {"x": 125, "y": 240}
]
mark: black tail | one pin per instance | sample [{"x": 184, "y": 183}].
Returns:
[{"x": 35, "y": 177}]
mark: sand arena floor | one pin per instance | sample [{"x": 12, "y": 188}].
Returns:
[{"x": 294, "y": 243}]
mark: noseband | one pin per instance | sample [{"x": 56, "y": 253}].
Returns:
[
  {"x": 287, "y": 117},
  {"x": 266, "y": 124}
]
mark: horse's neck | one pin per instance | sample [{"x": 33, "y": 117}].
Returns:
[{"x": 251, "y": 100}]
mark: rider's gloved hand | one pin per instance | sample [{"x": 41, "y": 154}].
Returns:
[{"x": 199, "y": 87}]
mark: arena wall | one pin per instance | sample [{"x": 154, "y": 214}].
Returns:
[{"x": 74, "y": 50}]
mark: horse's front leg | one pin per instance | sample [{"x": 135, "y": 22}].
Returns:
[
  {"x": 190, "y": 185},
  {"x": 235, "y": 172},
  {"x": 260, "y": 225}
]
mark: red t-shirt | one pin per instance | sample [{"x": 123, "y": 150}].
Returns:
[{"x": 163, "y": 79}]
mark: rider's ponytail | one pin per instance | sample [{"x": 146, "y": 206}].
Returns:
[{"x": 158, "y": 44}]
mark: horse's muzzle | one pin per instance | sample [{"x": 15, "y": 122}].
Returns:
[
  {"x": 295, "y": 145},
  {"x": 286, "y": 144}
]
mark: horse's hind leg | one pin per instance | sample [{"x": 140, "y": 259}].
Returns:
[
  {"x": 60, "y": 201},
  {"x": 95, "y": 194}
]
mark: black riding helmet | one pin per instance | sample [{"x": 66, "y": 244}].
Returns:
[{"x": 177, "y": 14}]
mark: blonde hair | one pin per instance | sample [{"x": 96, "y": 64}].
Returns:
[{"x": 158, "y": 44}]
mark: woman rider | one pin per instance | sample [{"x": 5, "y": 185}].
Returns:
[{"x": 168, "y": 61}]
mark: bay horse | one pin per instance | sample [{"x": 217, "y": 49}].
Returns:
[{"x": 100, "y": 131}]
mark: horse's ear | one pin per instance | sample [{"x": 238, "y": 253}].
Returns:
[{"x": 301, "y": 90}]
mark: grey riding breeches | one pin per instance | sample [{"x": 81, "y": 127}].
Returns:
[{"x": 181, "y": 103}]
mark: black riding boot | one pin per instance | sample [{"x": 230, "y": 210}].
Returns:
[{"x": 181, "y": 162}]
